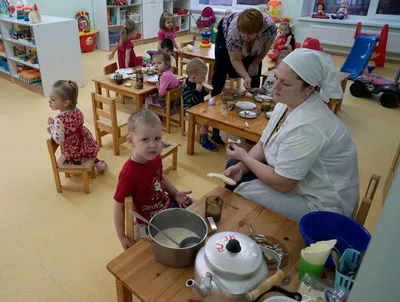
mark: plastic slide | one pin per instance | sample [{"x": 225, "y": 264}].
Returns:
[{"x": 359, "y": 56}]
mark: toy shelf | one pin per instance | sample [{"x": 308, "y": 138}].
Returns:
[
  {"x": 109, "y": 19},
  {"x": 181, "y": 17},
  {"x": 36, "y": 66}
]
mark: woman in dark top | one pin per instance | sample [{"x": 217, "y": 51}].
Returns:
[{"x": 243, "y": 40}]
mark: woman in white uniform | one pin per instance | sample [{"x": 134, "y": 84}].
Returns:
[{"x": 306, "y": 159}]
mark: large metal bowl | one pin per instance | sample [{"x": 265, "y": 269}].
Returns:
[{"x": 177, "y": 218}]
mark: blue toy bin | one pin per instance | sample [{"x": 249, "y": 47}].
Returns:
[{"x": 321, "y": 225}]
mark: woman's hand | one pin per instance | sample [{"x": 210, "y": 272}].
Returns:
[
  {"x": 235, "y": 152},
  {"x": 182, "y": 197},
  {"x": 50, "y": 121},
  {"x": 110, "y": 56},
  {"x": 247, "y": 83},
  {"x": 234, "y": 172},
  {"x": 253, "y": 69}
]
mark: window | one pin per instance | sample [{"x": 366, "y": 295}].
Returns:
[
  {"x": 356, "y": 7},
  {"x": 376, "y": 9},
  {"x": 227, "y": 4},
  {"x": 388, "y": 7}
]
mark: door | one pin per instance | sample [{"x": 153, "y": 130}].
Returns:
[{"x": 151, "y": 16}]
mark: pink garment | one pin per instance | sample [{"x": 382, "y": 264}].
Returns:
[
  {"x": 164, "y": 34},
  {"x": 134, "y": 60},
  {"x": 168, "y": 81}
]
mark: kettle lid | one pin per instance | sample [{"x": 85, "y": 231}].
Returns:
[{"x": 233, "y": 253}]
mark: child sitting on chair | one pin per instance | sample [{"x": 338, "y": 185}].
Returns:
[
  {"x": 168, "y": 47},
  {"x": 193, "y": 94},
  {"x": 142, "y": 175},
  {"x": 167, "y": 81},
  {"x": 67, "y": 129}
]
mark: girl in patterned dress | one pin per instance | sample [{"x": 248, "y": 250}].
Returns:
[{"x": 67, "y": 130}]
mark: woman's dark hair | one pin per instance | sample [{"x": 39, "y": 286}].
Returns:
[
  {"x": 164, "y": 17},
  {"x": 250, "y": 21},
  {"x": 304, "y": 83},
  {"x": 167, "y": 45}
]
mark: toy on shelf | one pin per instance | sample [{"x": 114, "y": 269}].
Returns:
[
  {"x": 34, "y": 15},
  {"x": 27, "y": 10},
  {"x": 26, "y": 55},
  {"x": 87, "y": 37},
  {"x": 369, "y": 83},
  {"x": 341, "y": 13},
  {"x": 274, "y": 9},
  {"x": 4, "y": 64},
  {"x": 6, "y": 8},
  {"x": 30, "y": 76},
  {"x": 285, "y": 40},
  {"x": 205, "y": 39},
  {"x": 134, "y": 16},
  {"x": 206, "y": 19},
  {"x": 2, "y": 48},
  {"x": 320, "y": 11},
  {"x": 362, "y": 51},
  {"x": 21, "y": 32},
  {"x": 20, "y": 11}
]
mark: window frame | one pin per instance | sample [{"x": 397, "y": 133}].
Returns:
[{"x": 371, "y": 14}]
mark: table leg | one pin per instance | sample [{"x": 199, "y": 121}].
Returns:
[
  {"x": 191, "y": 134},
  {"x": 97, "y": 88},
  {"x": 139, "y": 102},
  {"x": 179, "y": 64},
  {"x": 210, "y": 72},
  {"x": 123, "y": 294}
]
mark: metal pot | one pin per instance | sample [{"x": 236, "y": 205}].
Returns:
[
  {"x": 231, "y": 268},
  {"x": 177, "y": 218}
]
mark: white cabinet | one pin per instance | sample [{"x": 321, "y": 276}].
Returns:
[{"x": 151, "y": 17}]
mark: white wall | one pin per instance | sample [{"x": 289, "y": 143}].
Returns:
[
  {"x": 64, "y": 8},
  {"x": 378, "y": 278}
]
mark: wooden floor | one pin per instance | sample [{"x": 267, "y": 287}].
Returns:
[{"x": 54, "y": 247}]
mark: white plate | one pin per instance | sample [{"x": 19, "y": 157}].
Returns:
[
  {"x": 125, "y": 70},
  {"x": 268, "y": 114},
  {"x": 245, "y": 105},
  {"x": 262, "y": 97},
  {"x": 247, "y": 114},
  {"x": 152, "y": 79},
  {"x": 125, "y": 76}
]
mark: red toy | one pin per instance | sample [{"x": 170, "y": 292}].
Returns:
[
  {"x": 206, "y": 19},
  {"x": 380, "y": 48},
  {"x": 320, "y": 11},
  {"x": 312, "y": 43}
]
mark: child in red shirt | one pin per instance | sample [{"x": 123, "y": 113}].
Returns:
[
  {"x": 142, "y": 175},
  {"x": 126, "y": 53}
]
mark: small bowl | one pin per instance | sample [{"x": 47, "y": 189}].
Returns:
[{"x": 262, "y": 97}]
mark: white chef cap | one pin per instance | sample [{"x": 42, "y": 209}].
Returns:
[{"x": 317, "y": 69}]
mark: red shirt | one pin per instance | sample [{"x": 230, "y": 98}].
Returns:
[
  {"x": 145, "y": 183},
  {"x": 133, "y": 60}
]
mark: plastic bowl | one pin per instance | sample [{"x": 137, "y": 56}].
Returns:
[{"x": 321, "y": 225}]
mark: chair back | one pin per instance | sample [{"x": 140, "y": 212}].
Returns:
[
  {"x": 129, "y": 219},
  {"x": 52, "y": 147},
  {"x": 174, "y": 94},
  {"x": 367, "y": 200},
  {"x": 109, "y": 69},
  {"x": 98, "y": 102}
]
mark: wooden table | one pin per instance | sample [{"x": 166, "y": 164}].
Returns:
[
  {"x": 205, "y": 114},
  {"x": 206, "y": 54},
  {"x": 137, "y": 272}
]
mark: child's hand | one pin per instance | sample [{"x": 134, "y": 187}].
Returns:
[
  {"x": 50, "y": 121},
  {"x": 181, "y": 198},
  {"x": 199, "y": 87},
  {"x": 110, "y": 56},
  {"x": 180, "y": 50},
  {"x": 48, "y": 130},
  {"x": 125, "y": 242}
]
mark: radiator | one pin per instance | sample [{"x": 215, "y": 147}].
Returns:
[{"x": 331, "y": 35}]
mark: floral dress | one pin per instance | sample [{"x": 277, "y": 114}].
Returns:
[{"x": 77, "y": 143}]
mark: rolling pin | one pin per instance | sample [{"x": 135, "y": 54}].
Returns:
[{"x": 265, "y": 286}]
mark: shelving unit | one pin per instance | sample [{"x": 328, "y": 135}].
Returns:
[
  {"x": 182, "y": 21},
  {"x": 110, "y": 27},
  {"x": 149, "y": 11},
  {"x": 59, "y": 55}
]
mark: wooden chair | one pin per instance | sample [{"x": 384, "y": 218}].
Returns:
[
  {"x": 59, "y": 167},
  {"x": 170, "y": 148},
  {"x": 183, "y": 62},
  {"x": 109, "y": 69},
  {"x": 367, "y": 200},
  {"x": 172, "y": 95},
  {"x": 392, "y": 172},
  {"x": 108, "y": 122}
]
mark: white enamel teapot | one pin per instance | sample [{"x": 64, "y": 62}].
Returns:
[{"x": 230, "y": 267}]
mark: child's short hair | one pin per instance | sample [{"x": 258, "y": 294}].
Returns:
[
  {"x": 166, "y": 57},
  {"x": 164, "y": 17},
  {"x": 281, "y": 55},
  {"x": 67, "y": 90},
  {"x": 250, "y": 21},
  {"x": 167, "y": 45},
  {"x": 196, "y": 65},
  {"x": 143, "y": 117}
]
